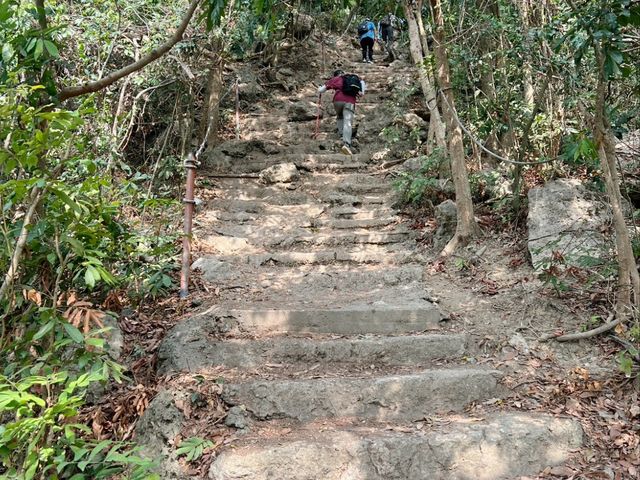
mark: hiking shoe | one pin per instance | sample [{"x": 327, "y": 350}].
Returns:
[
  {"x": 364, "y": 60},
  {"x": 346, "y": 150}
]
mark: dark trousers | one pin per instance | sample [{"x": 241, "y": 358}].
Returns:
[{"x": 367, "y": 48}]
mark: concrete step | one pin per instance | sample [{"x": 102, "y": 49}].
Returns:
[
  {"x": 382, "y": 319},
  {"x": 327, "y": 239},
  {"x": 351, "y": 212},
  {"x": 307, "y": 162},
  {"x": 390, "y": 398},
  {"x": 308, "y": 187},
  {"x": 499, "y": 447},
  {"x": 186, "y": 349},
  {"x": 357, "y": 223},
  {"x": 366, "y": 254}
]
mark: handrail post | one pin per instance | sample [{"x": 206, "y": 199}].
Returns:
[{"x": 191, "y": 164}]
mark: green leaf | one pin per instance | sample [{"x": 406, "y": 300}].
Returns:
[
  {"x": 75, "y": 334},
  {"x": 7, "y": 52},
  {"x": 39, "y": 48},
  {"x": 46, "y": 328},
  {"x": 67, "y": 199},
  {"x": 51, "y": 48}
]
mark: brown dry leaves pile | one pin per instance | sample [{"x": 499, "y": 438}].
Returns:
[{"x": 607, "y": 408}]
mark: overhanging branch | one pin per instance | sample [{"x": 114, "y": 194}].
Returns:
[{"x": 70, "y": 92}]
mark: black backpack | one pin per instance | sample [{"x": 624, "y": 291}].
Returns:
[
  {"x": 351, "y": 85},
  {"x": 363, "y": 28}
]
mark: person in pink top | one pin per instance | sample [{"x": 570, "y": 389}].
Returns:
[{"x": 347, "y": 89}]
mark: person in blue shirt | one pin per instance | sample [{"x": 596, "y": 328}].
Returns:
[{"x": 367, "y": 34}]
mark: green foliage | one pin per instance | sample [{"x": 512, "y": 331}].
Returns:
[
  {"x": 193, "y": 448},
  {"x": 417, "y": 186},
  {"x": 578, "y": 149},
  {"x": 39, "y": 401}
]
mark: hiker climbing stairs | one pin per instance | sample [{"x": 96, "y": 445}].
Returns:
[{"x": 332, "y": 348}]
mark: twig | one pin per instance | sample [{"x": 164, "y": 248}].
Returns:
[{"x": 609, "y": 325}]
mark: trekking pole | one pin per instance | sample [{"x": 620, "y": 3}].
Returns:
[{"x": 317, "y": 132}]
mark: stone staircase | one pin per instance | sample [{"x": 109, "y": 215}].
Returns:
[{"x": 344, "y": 366}]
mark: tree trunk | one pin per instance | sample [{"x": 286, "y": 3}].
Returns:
[
  {"x": 628, "y": 279},
  {"x": 210, "y": 122},
  {"x": 436, "y": 126},
  {"x": 466, "y": 227},
  {"x": 526, "y": 66}
]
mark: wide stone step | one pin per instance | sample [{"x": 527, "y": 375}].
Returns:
[
  {"x": 500, "y": 447},
  {"x": 306, "y": 187},
  {"x": 186, "y": 349},
  {"x": 415, "y": 316},
  {"x": 337, "y": 238},
  {"x": 356, "y": 223},
  {"x": 370, "y": 254},
  {"x": 390, "y": 398},
  {"x": 304, "y": 161}
]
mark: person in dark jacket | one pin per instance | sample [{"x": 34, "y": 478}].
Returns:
[
  {"x": 345, "y": 106},
  {"x": 386, "y": 28}
]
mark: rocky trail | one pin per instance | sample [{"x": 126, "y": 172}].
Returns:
[{"x": 337, "y": 352}]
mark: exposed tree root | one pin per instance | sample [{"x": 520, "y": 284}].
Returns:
[{"x": 608, "y": 325}]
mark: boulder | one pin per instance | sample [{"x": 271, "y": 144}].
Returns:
[
  {"x": 249, "y": 88},
  {"x": 212, "y": 269},
  {"x": 303, "y": 111},
  {"x": 301, "y": 24},
  {"x": 156, "y": 430},
  {"x": 447, "y": 218},
  {"x": 565, "y": 217},
  {"x": 280, "y": 173},
  {"x": 411, "y": 121}
]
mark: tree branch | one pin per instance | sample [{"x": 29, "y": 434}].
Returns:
[
  {"x": 70, "y": 92},
  {"x": 609, "y": 325}
]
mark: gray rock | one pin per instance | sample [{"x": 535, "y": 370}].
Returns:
[
  {"x": 156, "y": 431},
  {"x": 237, "y": 417},
  {"x": 213, "y": 269},
  {"x": 193, "y": 352},
  {"x": 446, "y": 216},
  {"x": 565, "y": 217},
  {"x": 249, "y": 88},
  {"x": 114, "y": 338},
  {"x": 411, "y": 121},
  {"x": 500, "y": 447},
  {"x": 281, "y": 173},
  {"x": 301, "y": 24},
  {"x": 518, "y": 342},
  {"x": 227, "y": 245},
  {"x": 413, "y": 164},
  {"x": 395, "y": 397},
  {"x": 303, "y": 111}
]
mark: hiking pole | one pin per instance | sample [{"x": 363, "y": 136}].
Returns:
[{"x": 317, "y": 132}]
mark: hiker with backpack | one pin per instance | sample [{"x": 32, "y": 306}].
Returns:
[
  {"x": 367, "y": 35},
  {"x": 347, "y": 87},
  {"x": 386, "y": 26}
]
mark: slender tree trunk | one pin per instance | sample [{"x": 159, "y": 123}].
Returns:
[
  {"x": 210, "y": 122},
  {"x": 423, "y": 33},
  {"x": 466, "y": 227},
  {"x": 525, "y": 141},
  {"x": 489, "y": 54},
  {"x": 628, "y": 279},
  {"x": 436, "y": 126},
  {"x": 526, "y": 66}
]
